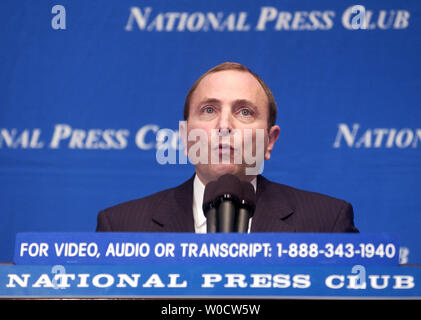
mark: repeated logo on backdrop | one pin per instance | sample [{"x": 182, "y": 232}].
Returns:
[
  {"x": 151, "y": 136},
  {"x": 269, "y": 18},
  {"x": 90, "y": 102}
]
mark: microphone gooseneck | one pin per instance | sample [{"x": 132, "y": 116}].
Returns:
[
  {"x": 228, "y": 194},
  {"x": 210, "y": 207},
  {"x": 246, "y": 207}
]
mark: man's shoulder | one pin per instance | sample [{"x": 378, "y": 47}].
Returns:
[
  {"x": 313, "y": 211},
  {"x": 139, "y": 212},
  {"x": 297, "y": 195},
  {"x": 154, "y": 198},
  {"x": 141, "y": 202}
]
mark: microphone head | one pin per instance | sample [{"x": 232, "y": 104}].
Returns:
[
  {"x": 248, "y": 196},
  {"x": 229, "y": 184},
  {"x": 209, "y": 195}
]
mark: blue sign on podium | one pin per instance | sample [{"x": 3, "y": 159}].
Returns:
[
  {"x": 188, "y": 248},
  {"x": 261, "y": 265},
  {"x": 204, "y": 281}
]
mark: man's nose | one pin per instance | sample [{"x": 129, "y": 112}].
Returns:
[{"x": 225, "y": 123}]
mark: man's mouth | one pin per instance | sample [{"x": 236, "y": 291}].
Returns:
[
  {"x": 225, "y": 147},
  {"x": 226, "y": 150}
]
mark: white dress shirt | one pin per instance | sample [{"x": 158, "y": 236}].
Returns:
[{"x": 198, "y": 215}]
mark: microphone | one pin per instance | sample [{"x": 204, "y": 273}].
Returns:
[
  {"x": 246, "y": 206},
  {"x": 228, "y": 204},
  {"x": 210, "y": 207},
  {"x": 228, "y": 194}
]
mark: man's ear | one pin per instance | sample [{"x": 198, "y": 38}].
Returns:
[
  {"x": 273, "y": 135},
  {"x": 182, "y": 129}
]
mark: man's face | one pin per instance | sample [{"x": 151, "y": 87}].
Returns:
[{"x": 232, "y": 108}]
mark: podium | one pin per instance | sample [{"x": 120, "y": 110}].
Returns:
[{"x": 196, "y": 266}]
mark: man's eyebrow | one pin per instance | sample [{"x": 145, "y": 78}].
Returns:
[
  {"x": 246, "y": 102},
  {"x": 209, "y": 100},
  {"x": 235, "y": 102}
]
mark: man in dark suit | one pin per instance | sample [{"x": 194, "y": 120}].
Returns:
[{"x": 230, "y": 100}]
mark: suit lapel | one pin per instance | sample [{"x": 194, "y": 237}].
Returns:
[
  {"x": 176, "y": 214},
  {"x": 272, "y": 209}
]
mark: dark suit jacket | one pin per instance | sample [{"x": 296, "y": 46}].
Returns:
[{"x": 279, "y": 208}]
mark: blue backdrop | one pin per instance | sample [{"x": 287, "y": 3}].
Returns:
[{"x": 85, "y": 87}]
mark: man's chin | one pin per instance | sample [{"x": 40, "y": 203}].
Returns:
[{"x": 215, "y": 171}]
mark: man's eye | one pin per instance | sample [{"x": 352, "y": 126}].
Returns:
[
  {"x": 208, "y": 110},
  {"x": 245, "y": 112}
]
